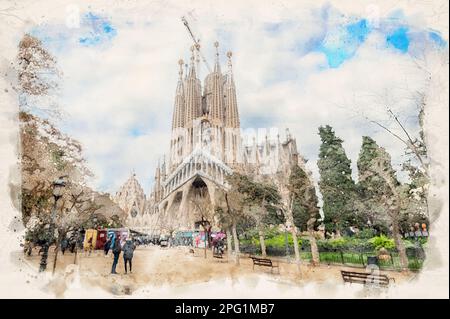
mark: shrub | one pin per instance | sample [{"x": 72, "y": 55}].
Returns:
[
  {"x": 338, "y": 242},
  {"x": 382, "y": 241},
  {"x": 279, "y": 241},
  {"x": 366, "y": 233},
  {"x": 333, "y": 244}
]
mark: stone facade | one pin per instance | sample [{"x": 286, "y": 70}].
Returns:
[
  {"x": 207, "y": 144},
  {"x": 132, "y": 200}
]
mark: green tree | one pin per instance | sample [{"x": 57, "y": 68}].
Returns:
[
  {"x": 336, "y": 183},
  {"x": 417, "y": 190},
  {"x": 230, "y": 211},
  {"x": 302, "y": 187},
  {"x": 378, "y": 177},
  {"x": 249, "y": 203},
  {"x": 261, "y": 199},
  {"x": 369, "y": 186}
]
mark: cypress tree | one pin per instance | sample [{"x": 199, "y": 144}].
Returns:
[
  {"x": 336, "y": 183},
  {"x": 370, "y": 187}
]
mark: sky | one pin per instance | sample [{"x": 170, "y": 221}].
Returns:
[{"x": 296, "y": 66}]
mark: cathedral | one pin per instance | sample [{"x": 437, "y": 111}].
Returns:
[{"x": 207, "y": 144}]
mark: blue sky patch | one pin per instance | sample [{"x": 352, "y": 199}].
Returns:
[
  {"x": 358, "y": 31},
  {"x": 135, "y": 132},
  {"x": 274, "y": 28},
  {"x": 436, "y": 38},
  {"x": 342, "y": 43},
  {"x": 399, "y": 39},
  {"x": 94, "y": 30},
  {"x": 100, "y": 30}
]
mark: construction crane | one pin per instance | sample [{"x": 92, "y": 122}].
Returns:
[{"x": 196, "y": 42}]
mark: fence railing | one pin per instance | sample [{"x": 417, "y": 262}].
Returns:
[{"x": 344, "y": 257}]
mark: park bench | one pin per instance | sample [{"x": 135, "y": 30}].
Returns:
[
  {"x": 366, "y": 278},
  {"x": 264, "y": 262}
]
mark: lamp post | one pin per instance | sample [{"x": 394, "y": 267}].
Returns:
[{"x": 58, "y": 188}]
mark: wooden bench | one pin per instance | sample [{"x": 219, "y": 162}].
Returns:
[
  {"x": 366, "y": 278},
  {"x": 264, "y": 262}
]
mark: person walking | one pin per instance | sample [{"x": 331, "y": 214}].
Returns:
[
  {"x": 64, "y": 245},
  {"x": 116, "y": 252},
  {"x": 107, "y": 247},
  {"x": 90, "y": 246},
  {"x": 128, "y": 250}
]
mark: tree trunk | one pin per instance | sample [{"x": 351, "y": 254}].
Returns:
[
  {"x": 394, "y": 215},
  {"x": 58, "y": 245},
  {"x": 312, "y": 240},
  {"x": 44, "y": 257},
  {"x": 229, "y": 244},
  {"x": 206, "y": 240},
  {"x": 236, "y": 243},
  {"x": 399, "y": 244},
  {"x": 296, "y": 249},
  {"x": 75, "y": 257},
  {"x": 290, "y": 219},
  {"x": 262, "y": 242},
  {"x": 56, "y": 257}
]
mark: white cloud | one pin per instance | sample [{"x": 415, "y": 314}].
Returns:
[{"x": 129, "y": 84}]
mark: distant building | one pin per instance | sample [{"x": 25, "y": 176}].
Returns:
[{"x": 131, "y": 198}]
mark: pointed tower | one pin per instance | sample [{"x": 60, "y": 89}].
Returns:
[
  {"x": 214, "y": 107},
  {"x": 231, "y": 109},
  {"x": 232, "y": 125},
  {"x": 192, "y": 94},
  {"x": 131, "y": 197},
  {"x": 192, "y": 87},
  {"x": 213, "y": 92},
  {"x": 178, "y": 138},
  {"x": 157, "y": 185},
  {"x": 179, "y": 106}
]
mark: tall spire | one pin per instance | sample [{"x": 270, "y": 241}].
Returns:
[
  {"x": 180, "y": 71},
  {"x": 197, "y": 57},
  {"x": 231, "y": 109},
  {"x": 178, "y": 110},
  {"x": 230, "y": 67},
  {"x": 192, "y": 73},
  {"x": 193, "y": 93},
  {"x": 217, "y": 63},
  {"x": 213, "y": 92}
]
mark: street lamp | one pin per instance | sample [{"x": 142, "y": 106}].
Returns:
[{"x": 58, "y": 189}]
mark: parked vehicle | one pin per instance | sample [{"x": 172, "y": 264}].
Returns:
[{"x": 163, "y": 242}]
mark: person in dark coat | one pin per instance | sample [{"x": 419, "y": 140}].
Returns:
[
  {"x": 107, "y": 246},
  {"x": 128, "y": 250},
  {"x": 64, "y": 245},
  {"x": 116, "y": 251}
]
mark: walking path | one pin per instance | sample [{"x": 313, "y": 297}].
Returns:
[{"x": 159, "y": 272}]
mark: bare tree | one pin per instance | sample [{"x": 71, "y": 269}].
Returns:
[
  {"x": 38, "y": 78},
  {"x": 204, "y": 213},
  {"x": 287, "y": 206},
  {"x": 296, "y": 188},
  {"x": 230, "y": 211},
  {"x": 392, "y": 194},
  {"x": 77, "y": 208}
]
